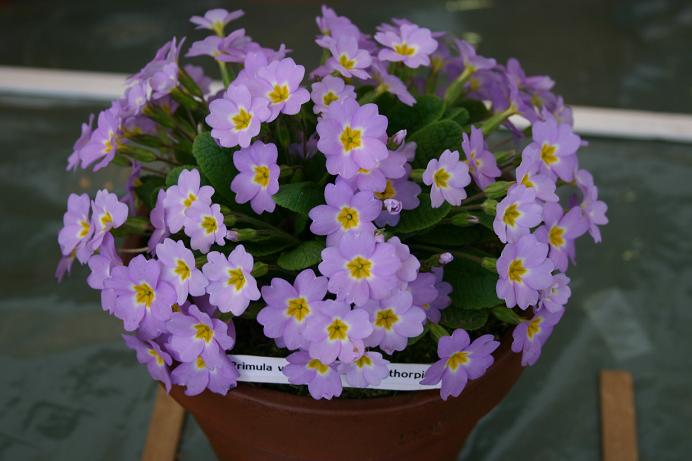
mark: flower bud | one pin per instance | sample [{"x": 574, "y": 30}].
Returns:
[
  {"x": 489, "y": 207},
  {"x": 392, "y": 206},
  {"x": 464, "y": 219},
  {"x": 489, "y": 264},
  {"x": 497, "y": 189},
  {"x": 445, "y": 258},
  {"x": 396, "y": 140}
]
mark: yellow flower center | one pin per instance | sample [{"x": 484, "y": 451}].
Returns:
[
  {"x": 511, "y": 215},
  {"x": 516, "y": 270},
  {"x": 278, "y": 94},
  {"x": 175, "y": 307},
  {"x": 440, "y": 178},
  {"x": 386, "y": 319},
  {"x": 318, "y": 366},
  {"x": 351, "y": 139},
  {"x": 203, "y": 332},
  {"x": 84, "y": 228},
  {"x": 337, "y": 330},
  {"x": 556, "y": 236},
  {"x": 157, "y": 357},
  {"x": 261, "y": 176},
  {"x": 526, "y": 181},
  {"x": 189, "y": 200},
  {"x": 298, "y": 308},
  {"x": 387, "y": 193},
  {"x": 534, "y": 327},
  {"x": 363, "y": 361},
  {"x": 106, "y": 219},
  {"x": 242, "y": 119},
  {"x": 346, "y": 62},
  {"x": 236, "y": 278},
  {"x": 474, "y": 84},
  {"x": 209, "y": 224},
  {"x": 359, "y": 268},
  {"x": 548, "y": 154},
  {"x": 108, "y": 144},
  {"x": 199, "y": 363},
  {"x": 144, "y": 294},
  {"x": 348, "y": 218},
  {"x": 182, "y": 270},
  {"x": 404, "y": 49},
  {"x": 457, "y": 359},
  {"x": 329, "y": 97}
]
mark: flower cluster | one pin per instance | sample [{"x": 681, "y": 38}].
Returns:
[{"x": 343, "y": 218}]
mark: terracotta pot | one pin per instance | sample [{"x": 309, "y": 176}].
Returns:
[{"x": 256, "y": 424}]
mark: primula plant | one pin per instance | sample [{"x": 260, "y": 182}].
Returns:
[{"x": 408, "y": 200}]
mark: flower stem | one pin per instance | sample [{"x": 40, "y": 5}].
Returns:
[{"x": 225, "y": 75}]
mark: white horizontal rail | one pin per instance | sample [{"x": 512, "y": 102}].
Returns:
[{"x": 100, "y": 86}]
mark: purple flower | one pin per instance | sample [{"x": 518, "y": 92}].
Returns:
[
  {"x": 204, "y": 225},
  {"x": 199, "y": 77},
  {"x": 107, "y": 213},
  {"x": 77, "y": 228},
  {"x": 218, "y": 374},
  {"x": 368, "y": 370},
  {"x": 394, "y": 321},
  {"x": 555, "y": 146},
  {"x": 410, "y": 44},
  {"x": 158, "y": 222},
  {"x": 235, "y": 118},
  {"x": 425, "y": 292},
  {"x": 345, "y": 212},
  {"x": 530, "y": 335},
  {"x": 347, "y": 58},
  {"x": 75, "y": 157},
  {"x": 101, "y": 266},
  {"x": 149, "y": 353},
  {"x": 560, "y": 231},
  {"x": 143, "y": 299},
  {"x": 405, "y": 192},
  {"x": 529, "y": 175},
  {"x": 161, "y": 73},
  {"x": 330, "y": 89},
  {"x": 337, "y": 331},
  {"x": 392, "y": 84},
  {"x": 460, "y": 360},
  {"x": 408, "y": 272},
  {"x": 517, "y": 213},
  {"x": 481, "y": 161},
  {"x": 289, "y": 307},
  {"x": 231, "y": 284},
  {"x": 323, "y": 381},
  {"x": 333, "y": 25},
  {"x": 393, "y": 166},
  {"x": 180, "y": 197},
  {"x": 279, "y": 82},
  {"x": 555, "y": 297},
  {"x": 360, "y": 269},
  {"x": 216, "y": 19},
  {"x": 258, "y": 176},
  {"x": 352, "y": 137},
  {"x": 103, "y": 142},
  {"x": 594, "y": 210},
  {"x": 209, "y": 46},
  {"x": 524, "y": 270},
  {"x": 471, "y": 61},
  {"x": 448, "y": 176},
  {"x": 178, "y": 269},
  {"x": 196, "y": 334},
  {"x": 442, "y": 301}
]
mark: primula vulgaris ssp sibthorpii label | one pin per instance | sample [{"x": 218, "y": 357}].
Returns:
[{"x": 382, "y": 207}]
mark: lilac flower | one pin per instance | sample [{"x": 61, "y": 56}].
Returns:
[
  {"x": 434, "y": 309},
  {"x": 143, "y": 299},
  {"x": 323, "y": 381},
  {"x": 448, "y": 176},
  {"x": 560, "y": 231},
  {"x": 405, "y": 192},
  {"x": 393, "y": 166},
  {"x": 347, "y": 58},
  {"x": 410, "y": 44},
  {"x": 337, "y": 331},
  {"x": 328, "y": 90},
  {"x": 101, "y": 266},
  {"x": 408, "y": 271},
  {"x": 394, "y": 321},
  {"x": 345, "y": 212},
  {"x": 180, "y": 197},
  {"x": 368, "y": 370},
  {"x": 77, "y": 228},
  {"x": 107, "y": 213},
  {"x": 258, "y": 177},
  {"x": 231, "y": 284},
  {"x": 218, "y": 374},
  {"x": 524, "y": 270},
  {"x": 555, "y": 297},
  {"x": 196, "y": 334},
  {"x": 594, "y": 210},
  {"x": 471, "y": 61},
  {"x": 532, "y": 90},
  {"x": 236, "y": 117},
  {"x": 530, "y": 335},
  {"x": 392, "y": 84},
  {"x": 197, "y": 74},
  {"x": 280, "y": 83},
  {"x": 529, "y": 175},
  {"x": 178, "y": 269},
  {"x": 460, "y": 360},
  {"x": 237, "y": 46},
  {"x": 75, "y": 157},
  {"x": 209, "y": 46},
  {"x": 360, "y": 269},
  {"x": 161, "y": 73},
  {"x": 158, "y": 222},
  {"x": 149, "y": 353},
  {"x": 424, "y": 292},
  {"x": 481, "y": 161},
  {"x": 103, "y": 142},
  {"x": 352, "y": 137},
  {"x": 555, "y": 146},
  {"x": 216, "y": 19},
  {"x": 204, "y": 225},
  {"x": 331, "y": 24},
  {"x": 289, "y": 307},
  {"x": 517, "y": 213}
]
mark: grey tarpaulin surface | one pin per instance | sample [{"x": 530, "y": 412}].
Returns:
[{"x": 70, "y": 390}]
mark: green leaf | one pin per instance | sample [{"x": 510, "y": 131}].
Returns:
[
  {"x": 259, "y": 249},
  {"x": 473, "y": 287},
  {"x": 149, "y": 189},
  {"x": 425, "y": 111},
  {"x": 476, "y": 109},
  {"x": 422, "y": 217},
  {"x": 507, "y": 315},
  {"x": 458, "y": 114},
  {"x": 300, "y": 197},
  {"x": 450, "y": 236},
  {"x": 453, "y": 317},
  {"x": 432, "y": 140},
  {"x": 172, "y": 176},
  {"x": 304, "y": 255},
  {"x": 216, "y": 164}
]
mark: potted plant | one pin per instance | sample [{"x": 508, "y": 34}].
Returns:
[{"x": 398, "y": 220}]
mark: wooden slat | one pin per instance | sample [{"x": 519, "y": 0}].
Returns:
[
  {"x": 165, "y": 429},
  {"x": 618, "y": 422}
]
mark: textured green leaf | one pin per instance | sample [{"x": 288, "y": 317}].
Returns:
[
  {"x": 477, "y": 110},
  {"x": 259, "y": 249},
  {"x": 149, "y": 189},
  {"x": 458, "y": 114},
  {"x": 299, "y": 197},
  {"x": 472, "y": 286},
  {"x": 425, "y": 111},
  {"x": 422, "y": 217},
  {"x": 451, "y": 236},
  {"x": 304, "y": 255},
  {"x": 216, "y": 164},
  {"x": 453, "y": 317},
  {"x": 432, "y": 140}
]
